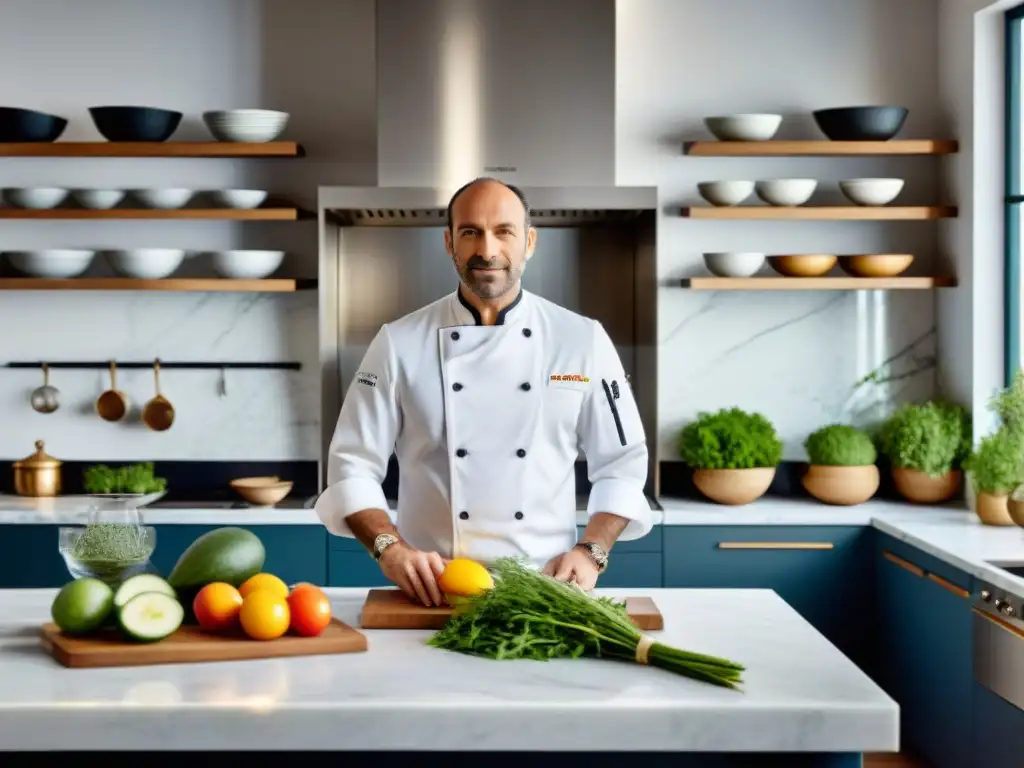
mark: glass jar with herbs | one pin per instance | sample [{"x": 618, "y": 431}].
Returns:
[{"x": 113, "y": 544}]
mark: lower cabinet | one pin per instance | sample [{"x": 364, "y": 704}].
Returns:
[
  {"x": 31, "y": 557},
  {"x": 294, "y": 552},
  {"x": 823, "y": 572},
  {"x": 924, "y": 642},
  {"x": 997, "y": 727}
]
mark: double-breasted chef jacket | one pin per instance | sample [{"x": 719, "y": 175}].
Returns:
[{"x": 486, "y": 423}]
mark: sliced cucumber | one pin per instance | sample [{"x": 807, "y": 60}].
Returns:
[
  {"x": 150, "y": 616},
  {"x": 136, "y": 585}
]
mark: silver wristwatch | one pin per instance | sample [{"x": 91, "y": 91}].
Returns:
[
  {"x": 597, "y": 554},
  {"x": 381, "y": 543}
]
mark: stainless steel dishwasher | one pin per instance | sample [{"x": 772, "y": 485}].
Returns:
[{"x": 998, "y": 639}]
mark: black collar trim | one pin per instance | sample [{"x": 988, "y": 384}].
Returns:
[{"x": 500, "y": 320}]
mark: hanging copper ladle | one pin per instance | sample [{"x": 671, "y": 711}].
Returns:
[
  {"x": 112, "y": 405},
  {"x": 158, "y": 414}
]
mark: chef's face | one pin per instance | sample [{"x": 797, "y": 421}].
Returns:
[{"x": 489, "y": 241}]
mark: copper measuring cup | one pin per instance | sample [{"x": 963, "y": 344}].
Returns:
[
  {"x": 112, "y": 405},
  {"x": 158, "y": 414}
]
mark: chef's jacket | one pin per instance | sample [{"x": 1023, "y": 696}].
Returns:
[{"x": 486, "y": 422}]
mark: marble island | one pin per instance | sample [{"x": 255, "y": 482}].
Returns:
[{"x": 800, "y": 694}]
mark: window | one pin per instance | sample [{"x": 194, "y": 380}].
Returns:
[{"x": 1014, "y": 195}]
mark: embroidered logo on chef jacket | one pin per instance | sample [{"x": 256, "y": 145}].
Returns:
[
  {"x": 575, "y": 377},
  {"x": 366, "y": 379}
]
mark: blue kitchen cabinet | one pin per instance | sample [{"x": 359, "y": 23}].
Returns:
[
  {"x": 823, "y": 572},
  {"x": 294, "y": 552},
  {"x": 350, "y": 565},
  {"x": 634, "y": 564},
  {"x": 924, "y": 644},
  {"x": 31, "y": 557},
  {"x": 997, "y": 726}
]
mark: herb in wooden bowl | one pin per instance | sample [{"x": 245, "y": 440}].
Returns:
[
  {"x": 132, "y": 478},
  {"x": 528, "y": 615}
]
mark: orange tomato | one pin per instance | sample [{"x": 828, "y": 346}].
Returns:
[
  {"x": 310, "y": 609},
  {"x": 305, "y": 585},
  {"x": 265, "y": 615},
  {"x": 264, "y": 581},
  {"x": 216, "y": 606}
]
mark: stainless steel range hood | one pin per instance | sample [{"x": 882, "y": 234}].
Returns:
[{"x": 523, "y": 90}]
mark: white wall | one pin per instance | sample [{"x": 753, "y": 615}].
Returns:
[
  {"x": 970, "y": 319},
  {"x": 792, "y": 356},
  {"x": 311, "y": 58}
]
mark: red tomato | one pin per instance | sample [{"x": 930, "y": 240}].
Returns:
[{"x": 311, "y": 611}]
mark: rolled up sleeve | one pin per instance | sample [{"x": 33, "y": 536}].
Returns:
[
  {"x": 363, "y": 441},
  {"x": 612, "y": 437}
]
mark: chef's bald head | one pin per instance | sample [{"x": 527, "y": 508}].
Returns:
[{"x": 489, "y": 180}]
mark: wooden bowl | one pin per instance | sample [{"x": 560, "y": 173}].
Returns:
[
  {"x": 842, "y": 486},
  {"x": 262, "y": 491},
  {"x": 876, "y": 264},
  {"x": 802, "y": 264},
  {"x": 992, "y": 509},
  {"x": 922, "y": 488},
  {"x": 734, "y": 486}
]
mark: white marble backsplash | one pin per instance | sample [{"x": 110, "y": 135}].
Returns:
[{"x": 265, "y": 415}]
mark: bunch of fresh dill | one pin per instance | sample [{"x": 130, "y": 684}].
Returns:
[{"x": 528, "y": 615}]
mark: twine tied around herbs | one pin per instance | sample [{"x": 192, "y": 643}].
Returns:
[{"x": 643, "y": 648}]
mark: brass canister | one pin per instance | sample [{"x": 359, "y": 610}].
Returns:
[{"x": 38, "y": 474}]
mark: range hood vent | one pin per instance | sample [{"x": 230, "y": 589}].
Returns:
[
  {"x": 436, "y": 217},
  {"x": 520, "y": 90}
]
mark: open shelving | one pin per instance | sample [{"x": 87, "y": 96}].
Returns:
[
  {"x": 815, "y": 283},
  {"x": 821, "y": 212},
  {"x": 202, "y": 285},
  {"x": 226, "y": 149},
  {"x": 163, "y": 214},
  {"x": 819, "y": 148}
]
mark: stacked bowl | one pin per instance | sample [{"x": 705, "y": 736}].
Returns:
[{"x": 255, "y": 125}]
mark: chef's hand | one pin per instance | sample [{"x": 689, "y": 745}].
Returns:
[
  {"x": 415, "y": 571},
  {"x": 574, "y": 565}
]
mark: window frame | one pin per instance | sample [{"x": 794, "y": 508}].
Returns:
[{"x": 1013, "y": 194}]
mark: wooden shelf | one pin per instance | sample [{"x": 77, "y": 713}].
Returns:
[
  {"x": 206, "y": 285},
  {"x": 822, "y": 212},
  {"x": 818, "y": 148},
  {"x": 816, "y": 283},
  {"x": 206, "y": 214},
  {"x": 152, "y": 149}
]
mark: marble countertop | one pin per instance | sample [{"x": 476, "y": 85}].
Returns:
[{"x": 800, "y": 692}]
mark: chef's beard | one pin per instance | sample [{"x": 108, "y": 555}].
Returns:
[{"x": 491, "y": 285}]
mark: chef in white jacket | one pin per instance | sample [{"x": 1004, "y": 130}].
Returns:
[{"x": 485, "y": 396}]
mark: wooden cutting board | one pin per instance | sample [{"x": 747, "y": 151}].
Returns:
[
  {"x": 189, "y": 645},
  {"x": 391, "y": 609}
]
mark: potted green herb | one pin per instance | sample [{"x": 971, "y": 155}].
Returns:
[
  {"x": 733, "y": 453},
  {"x": 842, "y": 465},
  {"x": 996, "y": 466},
  {"x": 926, "y": 445}
]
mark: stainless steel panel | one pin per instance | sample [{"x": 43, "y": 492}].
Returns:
[
  {"x": 998, "y": 654},
  {"x": 524, "y": 91},
  {"x": 373, "y": 275}
]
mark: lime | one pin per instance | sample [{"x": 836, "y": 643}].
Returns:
[{"x": 82, "y": 606}]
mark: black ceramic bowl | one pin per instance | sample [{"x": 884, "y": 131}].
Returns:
[
  {"x": 17, "y": 125},
  {"x": 135, "y": 123},
  {"x": 861, "y": 123}
]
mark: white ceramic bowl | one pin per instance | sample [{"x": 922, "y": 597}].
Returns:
[
  {"x": 98, "y": 199},
  {"x": 239, "y": 198},
  {"x": 36, "y": 198},
  {"x": 246, "y": 264},
  {"x": 146, "y": 263},
  {"x": 171, "y": 197},
  {"x": 733, "y": 264},
  {"x": 871, "y": 191},
  {"x": 52, "y": 262},
  {"x": 786, "y": 192},
  {"x": 258, "y": 125},
  {"x": 754, "y": 127},
  {"x": 725, "y": 193}
]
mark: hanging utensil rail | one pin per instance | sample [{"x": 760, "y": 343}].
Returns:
[{"x": 197, "y": 366}]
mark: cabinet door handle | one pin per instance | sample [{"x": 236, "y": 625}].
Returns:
[
  {"x": 949, "y": 586},
  {"x": 904, "y": 564},
  {"x": 776, "y": 545}
]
